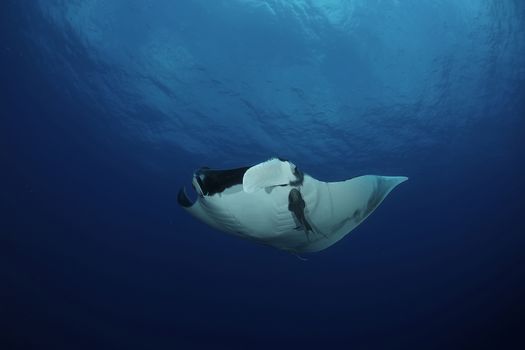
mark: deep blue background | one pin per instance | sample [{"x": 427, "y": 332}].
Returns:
[{"x": 106, "y": 108}]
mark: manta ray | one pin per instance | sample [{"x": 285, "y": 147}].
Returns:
[{"x": 276, "y": 204}]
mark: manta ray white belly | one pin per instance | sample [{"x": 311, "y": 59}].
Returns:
[{"x": 266, "y": 215}]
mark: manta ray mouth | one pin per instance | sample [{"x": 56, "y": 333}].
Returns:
[{"x": 210, "y": 182}]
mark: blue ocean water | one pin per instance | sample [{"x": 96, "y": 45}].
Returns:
[{"x": 107, "y": 107}]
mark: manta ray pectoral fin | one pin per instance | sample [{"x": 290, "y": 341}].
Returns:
[
  {"x": 354, "y": 200},
  {"x": 346, "y": 204},
  {"x": 383, "y": 186}
]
